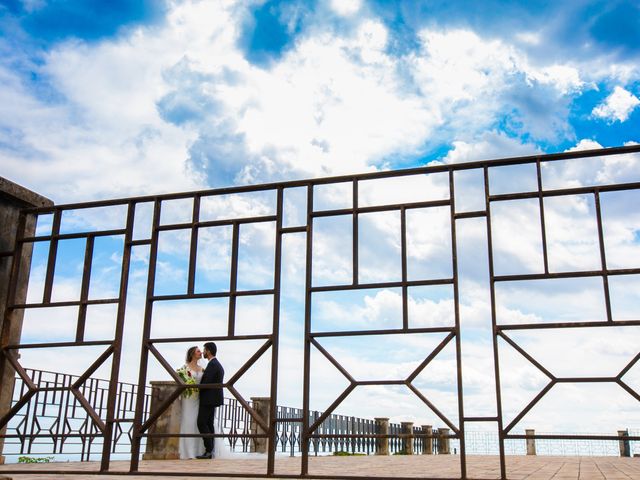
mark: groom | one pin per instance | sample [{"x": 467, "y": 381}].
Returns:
[{"x": 210, "y": 398}]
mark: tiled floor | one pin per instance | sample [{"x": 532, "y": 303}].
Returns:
[{"x": 418, "y": 466}]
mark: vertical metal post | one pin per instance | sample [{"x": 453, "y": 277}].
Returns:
[
  {"x": 275, "y": 338},
  {"x": 51, "y": 261},
  {"x": 403, "y": 254},
  {"x": 355, "y": 236},
  {"x": 304, "y": 447},
  {"x": 233, "y": 278},
  {"x": 494, "y": 327},
  {"x": 193, "y": 251},
  {"x": 456, "y": 306},
  {"x": 146, "y": 334},
  {"x": 84, "y": 293},
  {"x": 117, "y": 344},
  {"x": 543, "y": 229},
  {"x": 5, "y": 334},
  {"x": 603, "y": 257}
]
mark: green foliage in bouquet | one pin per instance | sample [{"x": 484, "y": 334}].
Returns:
[{"x": 187, "y": 377}]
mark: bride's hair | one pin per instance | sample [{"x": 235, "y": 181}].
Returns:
[{"x": 190, "y": 353}]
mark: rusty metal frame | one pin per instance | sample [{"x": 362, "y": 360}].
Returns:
[{"x": 309, "y": 429}]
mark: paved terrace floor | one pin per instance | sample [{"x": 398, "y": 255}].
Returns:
[{"x": 418, "y": 466}]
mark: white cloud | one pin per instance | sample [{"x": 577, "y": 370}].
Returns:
[
  {"x": 346, "y": 7},
  {"x": 617, "y": 106},
  {"x": 530, "y": 38},
  {"x": 564, "y": 78},
  {"x": 487, "y": 146},
  {"x": 177, "y": 106}
]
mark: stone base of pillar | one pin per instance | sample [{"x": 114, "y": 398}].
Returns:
[
  {"x": 531, "y": 442},
  {"x": 382, "y": 427},
  {"x": 407, "y": 443},
  {"x": 262, "y": 406},
  {"x": 443, "y": 441},
  {"x": 164, "y": 448},
  {"x": 427, "y": 448}
]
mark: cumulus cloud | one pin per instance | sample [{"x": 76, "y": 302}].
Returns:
[
  {"x": 617, "y": 106},
  {"x": 181, "y": 100},
  {"x": 178, "y": 106},
  {"x": 346, "y": 7}
]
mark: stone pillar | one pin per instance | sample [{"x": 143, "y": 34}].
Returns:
[
  {"x": 164, "y": 448},
  {"x": 443, "y": 441},
  {"x": 13, "y": 198},
  {"x": 428, "y": 440},
  {"x": 407, "y": 429},
  {"x": 262, "y": 406},
  {"x": 625, "y": 446},
  {"x": 382, "y": 427},
  {"x": 531, "y": 442}
]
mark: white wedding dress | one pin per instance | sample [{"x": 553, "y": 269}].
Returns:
[{"x": 190, "y": 447}]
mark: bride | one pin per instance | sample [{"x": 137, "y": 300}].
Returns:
[{"x": 190, "y": 447}]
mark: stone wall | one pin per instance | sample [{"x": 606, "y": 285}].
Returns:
[{"x": 13, "y": 198}]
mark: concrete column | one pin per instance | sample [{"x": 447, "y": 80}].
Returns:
[
  {"x": 625, "y": 446},
  {"x": 407, "y": 429},
  {"x": 531, "y": 442},
  {"x": 13, "y": 198},
  {"x": 262, "y": 406},
  {"x": 382, "y": 427},
  {"x": 164, "y": 448},
  {"x": 443, "y": 441},
  {"x": 428, "y": 441}
]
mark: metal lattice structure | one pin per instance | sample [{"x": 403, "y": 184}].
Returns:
[{"x": 105, "y": 423}]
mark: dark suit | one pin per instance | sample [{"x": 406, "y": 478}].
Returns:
[{"x": 209, "y": 400}]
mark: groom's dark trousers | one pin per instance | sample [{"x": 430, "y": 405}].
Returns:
[{"x": 210, "y": 399}]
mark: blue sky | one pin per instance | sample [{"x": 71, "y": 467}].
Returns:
[
  {"x": 111, "y": 99},
  {"x": 208, "y": 94}
]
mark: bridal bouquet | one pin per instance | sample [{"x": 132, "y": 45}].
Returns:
[{"x": 186, "y": 376}]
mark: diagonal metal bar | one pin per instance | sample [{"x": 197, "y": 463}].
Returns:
[
  {"x": 629, "y": 390},
  {"x": 248, "y": 408},
  {"x": 335, "y": 363},
  {"x": 21, "y": 371},
  {"x": 180, "y": 386},
  {"x": 435, "y": 410},
  {"x": 522, "y": 352},
  {"x": 628, "y": 367},
  {"x": 531, "y": 404},
  {"x": 431, "y": 356},
  {"x": 153, "y": 416},
  {"x": 249, "y": 363},
  {"x": 331, "y": 408},
  {"x": 16, "y": 408},
  {"x": 165, "y": 364},
  {"x": 89, "y": 409},
  {"x": 93, "y": 367}
]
